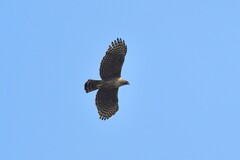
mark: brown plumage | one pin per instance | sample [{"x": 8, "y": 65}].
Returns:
[{"x": 110, "y": 73}]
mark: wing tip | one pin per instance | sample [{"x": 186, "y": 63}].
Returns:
[
  {"x": 104, "y": 118},
  {"x": 119, "y": 42}
]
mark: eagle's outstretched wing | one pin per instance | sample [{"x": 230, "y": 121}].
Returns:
[
  {"x": 107, "y": 102},
  {"x": 112, "y": 62}
]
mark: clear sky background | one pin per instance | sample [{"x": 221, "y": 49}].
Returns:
[{"x": 183, "y": 64}]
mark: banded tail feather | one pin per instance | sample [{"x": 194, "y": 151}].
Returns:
[{"x": 91, "y": 85}]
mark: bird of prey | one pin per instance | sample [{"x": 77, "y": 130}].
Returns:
[{"x": 110, "y": 73}]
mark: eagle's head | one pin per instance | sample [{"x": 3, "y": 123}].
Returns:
[{"x": 123, "y": 82}]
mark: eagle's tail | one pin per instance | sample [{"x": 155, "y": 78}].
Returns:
[{"x": 91, "y": 85}]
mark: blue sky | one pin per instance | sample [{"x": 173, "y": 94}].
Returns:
[{"x": 182, "y": 63}]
